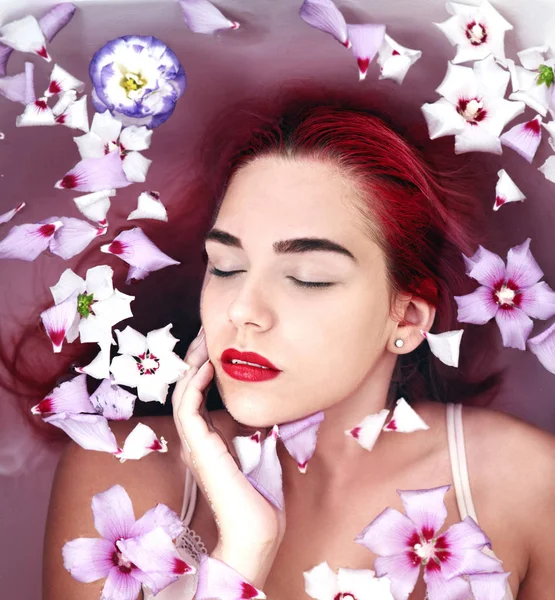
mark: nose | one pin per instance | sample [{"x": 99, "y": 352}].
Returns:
[{"x": 251, "y": 304}]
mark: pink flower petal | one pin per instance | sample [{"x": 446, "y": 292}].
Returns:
[
  {"x": 95, "y": 206},
  {"x": 325, "y": 16},
  {"x": 515, "y": 326},
  {"x": 299, "y": 438},
  {"x": 522, "y": 269},
  {"x": 524, "y": 138},
  {"x": 5, "y": 53},
  {"x": 159, "y": 516},
  {"x": 538, "y": 301},
  {"x": 426, "y": 509},
  {"x": 113, "y": 513},
  {"x": 445, "y": 346},
  {"x": 440, "y": 588},
  {"x": 75, "y": 115},
  {"x": 20, "y": 87},
  {"x": 401, "y": 571},
  {"x": 249, "y": 451},
  {"x": 543, "y": 346},
  {"x": 36, "y": 114},
  {"x": 134, "y": 247},
  {"x": 486, "y": 267},
  {"x": 56, "y": 19},
  {"x": 58, "y": 319},
  {"x": 489, "y": 586},
  {"x": 266, "y": 477},
  {"x": 478, "y": 307},
  {"x": 95, "y": 174},
  {"x": 120, "y": 586},
  {"x": 141, "y": 442},
  {"x": 88, "y": 559},
  {"x": 155, "y": 552},
  {"x": 149, "y": 207},
  {"x": 74, "y": 237},
  {"x": 366, "y": 41},
  {"x": 112, "y": 401},
  {"x": 62, "y": 81},
  {"x": 25, "y": 35},
  {"x": 405, "y": 419},
  {"x": 203, "y": 17},
  {"x": 368, "y": 430},
  {"x": 389, "y": 534},
  {"x": 506, "y": 191},
  {"x": 8, "y": 216},
  {"x": 71, "y": 397},
  {"x": 91, "y": 432},
  {"x": 216, "y": 579},
  {"x": 26, "y": 242}
]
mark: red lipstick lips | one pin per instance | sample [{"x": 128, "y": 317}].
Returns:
[{"x": 260, "y": 368}]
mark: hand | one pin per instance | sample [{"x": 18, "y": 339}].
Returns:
[{"x": 250, "y": 528}]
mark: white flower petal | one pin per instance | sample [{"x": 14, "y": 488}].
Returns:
[
  {"x": 131, "y": 342},
  {"x": 249, "y": 450},
  {"x": 363, "y": 584},
  {"x": 65, "y": 99},
  {"x": 459, "y": 82},
  {"x": 548, "y": 169},
  {"x": 446, "y": 345},
  {"x": 149, "y": 207},
  {"x": 506, "y": 191},
  {"x": 62, "y": 81},
  {"x": 203, "y": 17},
  {"x": 477, "y": 139},
  {"x": 74, "y": 237},
  {"x": 368, "y": 430},
  {"x": 75, "y": 115},
  {"x": 25, "y": 35},
  {"x": 10, "y": 214},
  {"x": 405, "y": 419},
  {"x": 152, "y": 388},
  {"x": 442, "y": 119},
  {"x": 114, "y": 309},
  {"x": 532, "y": 58},
  {"x": 135, "y": 138},
  {"x": 91, "y": 432},
  {"x": 320, "y": 582},
  {"x": 125, "y": 371},
  {"x": 69, "y": 284},
  {"x": 95, "y": 206},
  {"x": 140, "y": 442},
  {"x": 99, "y": 367},
  {"x": 492, "y": 79},
  {"x": 396, "y": 60},
  {"x": 36, "y": 113},
  {"x": 160, "y": 341},
  {"x": 58, "y": 319},
  {"x": 135, "y": 167},
  {"x": 112, "y": 401},
  {"x": 99, "y": 282},
  {"x": 106, "y": 127},
  {"x": 90, "y": 145}
]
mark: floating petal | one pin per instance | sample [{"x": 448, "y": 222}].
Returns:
[
  {"x": 446, "y": 346},
  {"x": 442, "y": 119},
  {"x": 20, "y": 87},
  {"x": 320, "y": 582},
  {"x": 74, "y": 237},
  {"x": 25, "y": 35},
  {"x": 88, "y": 559},
  {"x": 62, "y": 81},
  {"x": 95, "y": 174},
  {"x": 299, "y": 438},
  {"x": 113, "y": 513},
  {"x": 216, "y": 579},
  {"x": 36, "y": 113},
  {"x": 515, "y": 326},
  {"x": 8, "y": 216},
  {"x": 543, "y": 346},
  {"x": 91, "y": 432},
  {"x": 524, "y": 138},
  {"x": 548, "y": 169},
  {"x": 426, "y": 508},
  {"x": 75, "y": 115},
  {"x": 202, "y": 16},
  {"x": 506, "y": 190},
  {"x": 95, "y": 206},
  {"x": 159, "y": 516},
  {"x": 112, "y": 402},
  {"x": 522, "y": 268},
  {"x": 248, "y": 449},
  {"x": 71, "y": 397},
  {"x": 368, "y": 430},
  {"x": 135, "y": 166},
  {"x": 366, "y": 41},
  {"x": 99, "y": 367},
  {"x": 149, "y": 207},
  {"x": 266, "y": 477},
  {"x": 396, "y": 60},
  {"x": 489, "y": 586},
  {"x": 134, "y": 247},
  {"x": 53, "y": 21},
  {"x": 64, "y": 101},
  {"x": 131, "y": 342},
  {"x": 140, "y": 442},
  {"x": 325, "y": 16},
  {"x": 135, "y": 138},
  {"x": 26, "y": 242},
  {"x": 405, "y": 419}
]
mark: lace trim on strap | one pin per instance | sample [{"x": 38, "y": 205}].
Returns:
[{"x": 192, "y": 543}]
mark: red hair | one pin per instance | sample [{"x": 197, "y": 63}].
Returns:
[{"x": 422, "y": 213}]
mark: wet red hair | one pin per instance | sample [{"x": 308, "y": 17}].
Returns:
[{"x": 420, "y": 203}]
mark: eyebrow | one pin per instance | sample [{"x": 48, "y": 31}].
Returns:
[{"x": 292, "y": 246}]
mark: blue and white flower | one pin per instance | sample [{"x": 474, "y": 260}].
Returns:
[{"x": 138, "y": 79}]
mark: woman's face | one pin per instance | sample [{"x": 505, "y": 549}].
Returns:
[{"x": 327, "y": 341}]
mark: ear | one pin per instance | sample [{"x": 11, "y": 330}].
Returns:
[{"x": 412, "y": 315}]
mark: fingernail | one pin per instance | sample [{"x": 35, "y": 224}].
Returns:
[{"x": 200, "y": 330}]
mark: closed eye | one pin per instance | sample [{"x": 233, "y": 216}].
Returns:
[{"x": 305, "y": 284}]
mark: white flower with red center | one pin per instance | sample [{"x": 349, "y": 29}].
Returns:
[
  {"x": 511, "y": 294},
  {"x": 477, "y": 31},
  {"x": 473, "y": 107},
  {"x": 405, "y": 543},
  {"x": 322, "y": 583},
  {"x": 147, "y": 362}
]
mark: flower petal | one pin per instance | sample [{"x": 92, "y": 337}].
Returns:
[
  {"x": 36, "y": 113},
  {"x": 159, "y": 516},
  {"x": 442, "y": 119},
  {"x": 515, "y": 326},
  {"x": 524, "y": 138},
  {"x": 366, "y": 40},
  {"x": 459, "y": 82},
  {"x": 266, "y": 477},
  {"x": 325, "y": 16},
  {"x": 135, "y": 166},
  {"x": 20, "y": 87},
  {"x": 401, "y": 572},
  {"x": 88, "y": 559},
  {"x": 368, "y": 430},
  {"x": 202, "y": 16},
  {"x": 134, "y": 247},
  {"x": 130, "y": 341},
  {"x": 363, "y": 584},
  {"x": 405, "y": 419},
  {"x": 99, "y": 367},
  {"x": 216, "y": 579},
  {"x": 389, "y": 534},
  {"x": 506, "y": 190},
  {"x": 120, "y": 586},
  {"x": 25, "y": 35},
  {"x": 522, "y": 268},
  {"x": 321, "y": 582},
  {"x": 58, "y": 319},
  {"x": 95, "y": 206},
  {"x": 61, "y": 81},
  {"x": 426, "y": 508},
  {"x": 26, "y": 242},
  {"x": 485, "y": 267},
  {"x": 299, "y": 438},
  {"x": 249, "y": 450},
  {"x": 74, "y": 237},
  {"x": 95, "y": 174},
  {"x": 114, "y": 309},
  {"x": 75, "y": 115},
  {"x": 489, "y": 586},
  {"x": 125, "y": 371},
  {"x": 538, "y": 301},
  {"x": 548, "y": 169},
  {"x": 478, "y": 307},
  {"x": 152, "y": 388},
  {"x": 71, "y": 397},
  {"x": 446, "y": 346},
  {"x": 149, "y": 207},
  {"x": 543, "y": 346},
  {"x": 396, "y": 60},
  {"x": 441, "y": 588},
  {"x": 112, "y": 401},
  {"x": 10, "y": 214},
  {"x": 68, "y": 284},
  {"x": 113, "y": 513},
  {"x": 477, "y": 139},
  {"x": 55, "y": 19},
  {"x": 135, "y": 138},
  {"x": 141, "y": 442},
  {"x": 91, "y": 432}
]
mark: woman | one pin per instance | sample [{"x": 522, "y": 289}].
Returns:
[{"x": 333, "y": 246}]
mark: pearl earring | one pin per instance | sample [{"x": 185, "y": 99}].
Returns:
[{"x": 399, "y": 343}]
